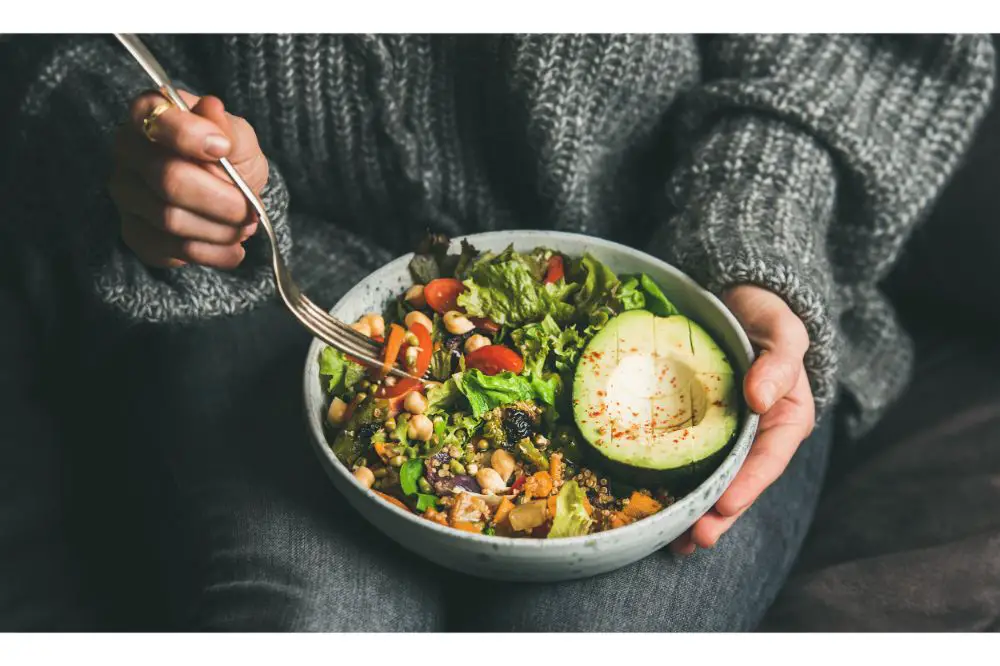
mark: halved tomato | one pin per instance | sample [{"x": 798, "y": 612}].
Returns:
[
  {"x": 442, "y": 294},
  {"x": 555, "y": 271},
  {"x": 494, "y": 359}
]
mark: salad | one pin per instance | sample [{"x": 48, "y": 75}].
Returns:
[{"x": 565, "y": 400}]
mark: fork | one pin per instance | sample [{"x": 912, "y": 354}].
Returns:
[{"x": 317, "y": 321}]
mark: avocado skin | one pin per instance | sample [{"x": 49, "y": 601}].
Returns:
[{"x": 679, "y": 481}]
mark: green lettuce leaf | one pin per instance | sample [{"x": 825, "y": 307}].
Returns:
[
  {"x": 440, "y": 367},
  {"x": 507, "y": 289},
  {"x": 597, "y": 284},
  {"x": 457, "y": 430},
  {"x": 409, "y": 473},
  {"x": 571, "y": 513},
  {"x": 485, "y": 392},
  {"x": 425, "y": 501},
  {"x": 535, "y": 341},
  {"x": 629, "y": 296},
  {"x": 442, "y": 397},
  {"x": 546, "y": 387},
  {"x": 656, "y": 302},
  {"x": 343, "y": 374},
  {"x": 332, "y": 364},
  {"x": 567, "y": 349}
]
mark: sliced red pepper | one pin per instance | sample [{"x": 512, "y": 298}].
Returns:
[
  {"x": 555, "y": 271},
  {"x": 519, "y": 482},
  {"x": 404, "y": 386},
  {"x": 494, "y": 359},
  {"x": 442, "y": 294}
]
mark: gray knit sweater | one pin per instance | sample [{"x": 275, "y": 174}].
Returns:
[{"x": 799, "y": 163}]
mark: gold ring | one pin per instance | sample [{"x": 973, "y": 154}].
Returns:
[{"x": 147, "y": 122}]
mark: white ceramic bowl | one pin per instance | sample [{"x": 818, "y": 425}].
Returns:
[{"x": 538, "y": 559}]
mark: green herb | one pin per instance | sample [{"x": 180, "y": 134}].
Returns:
[
  {"x": 489, "y": 530},
  {"x": 399, "y": 434},
  {"x": 425, "y": 501},
  {"x": 409, "y": 474},
  {"x": 533, "y": 455},
  {"x": 432, "y": 260},
  {"x": 571, "y": 517}
]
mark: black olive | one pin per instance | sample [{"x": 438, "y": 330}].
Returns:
[{"x": 516, "y": 425}]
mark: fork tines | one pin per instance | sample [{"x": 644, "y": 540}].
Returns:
[{"x": 341, "y": 336}]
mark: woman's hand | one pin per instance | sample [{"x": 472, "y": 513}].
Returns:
[
  {"x": 775, "y": 387},
  {"x": 176, "y": 206}
]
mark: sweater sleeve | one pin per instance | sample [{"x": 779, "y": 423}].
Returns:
[
  {"x": 63, "y": 97},
  {"x": 807, "y": 159}
]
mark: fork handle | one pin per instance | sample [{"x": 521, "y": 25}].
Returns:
[{"x": 159, "y": 76}]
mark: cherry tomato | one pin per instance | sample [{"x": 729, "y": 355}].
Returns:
[
  {"x": 442, "y": 294},
  {"x": 556, "y": 271},
  {"x": 494, "y": 359}
]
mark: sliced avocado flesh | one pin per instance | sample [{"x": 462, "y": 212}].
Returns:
[{"x": 655, "y": 396}]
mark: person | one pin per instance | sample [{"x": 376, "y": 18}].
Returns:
[{"x": 782, "y": 172}]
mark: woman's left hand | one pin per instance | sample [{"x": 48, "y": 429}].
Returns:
[{"x": 777, "y": 388}]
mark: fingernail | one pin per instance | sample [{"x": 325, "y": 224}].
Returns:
[
  {"x": 767, "y": 391},
  {"x": 217, "y": 145},
  {"x": 248, "y": 232}
]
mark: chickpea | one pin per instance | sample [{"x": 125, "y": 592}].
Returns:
[
  {"x": 420, "y": 427},
  {"x": 337, "y": 413},
  {"x": 457, "y": 323},
  {"x": 411, "y": 357},
  {"x": 415, "y": 403},
  {"x": 362, "y": 327},
  {"x": 489, "y": 480},
  {"x": 376, "y": 324},
  {"x": 502, "y": 463},
  {"x": 415, "y": 296},
  {"x": 418, "y": 318},
  {"x": 365, "y": 476},
  {"x": 475, "y": 342}
]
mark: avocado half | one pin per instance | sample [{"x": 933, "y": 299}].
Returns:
[{"x": 656, "y": 399}]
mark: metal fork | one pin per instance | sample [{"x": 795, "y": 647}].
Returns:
[{"x": 330, "y": 330}]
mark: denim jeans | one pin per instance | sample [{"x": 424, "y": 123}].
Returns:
[{"x": 248, "y": 534}]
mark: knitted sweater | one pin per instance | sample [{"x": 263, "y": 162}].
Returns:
[{"x": 797, "y": 163}]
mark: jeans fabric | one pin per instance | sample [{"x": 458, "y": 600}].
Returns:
[{"x": 243, "y": 530}]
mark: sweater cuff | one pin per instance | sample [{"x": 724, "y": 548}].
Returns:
[
  {"x": 753, "y": 207},
  {"x": 183, "y": 294}
]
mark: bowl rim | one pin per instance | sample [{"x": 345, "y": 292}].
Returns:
[{"x": 743, "y": 438}]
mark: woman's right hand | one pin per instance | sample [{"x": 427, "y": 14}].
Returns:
[{"x": 178, "y": 206}]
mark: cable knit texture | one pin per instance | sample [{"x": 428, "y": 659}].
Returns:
[{"x": 799, "y": 163}]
